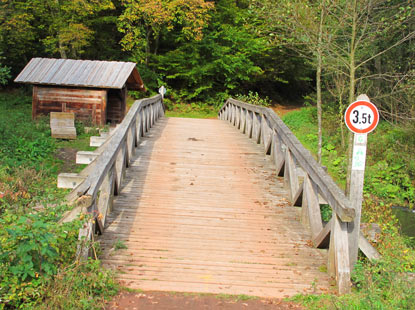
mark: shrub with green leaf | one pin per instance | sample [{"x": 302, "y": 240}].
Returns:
[
  {"x": 37, "y": 254},
  {"x": 255, "y": 99}
]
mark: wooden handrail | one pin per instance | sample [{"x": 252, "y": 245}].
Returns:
[
  {"x": 305, "y": 179},
  {"x": 105, "y": 174}
]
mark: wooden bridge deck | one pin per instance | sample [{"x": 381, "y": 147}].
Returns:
[{"x": 201, "y": 210}]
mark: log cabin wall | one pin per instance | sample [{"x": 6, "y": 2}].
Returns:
[
  {"x": 96, "y": 91},
  {"x": 89, "y": 105}
]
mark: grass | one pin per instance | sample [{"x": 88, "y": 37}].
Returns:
[
  {"x": 191, "y": 114},
  {"x": 120, "y": 245},
  {"x": 389, "y": 179},
  {"x": 193, "y": 110},
  {"x": 37, "y": 254}
]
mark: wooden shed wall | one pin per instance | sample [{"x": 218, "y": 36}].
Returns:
[{"x": 88, "y": 105}]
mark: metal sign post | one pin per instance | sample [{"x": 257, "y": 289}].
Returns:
[
  {"x": 361, "y": 117},
  {"x": 162, "y": 91}
]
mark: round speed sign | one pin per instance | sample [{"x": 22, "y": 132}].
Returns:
[{"x": 361, "y": 116}]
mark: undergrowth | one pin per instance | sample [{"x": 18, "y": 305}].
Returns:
[
  {"x": 37, "y": 254},
  {"x": 389, "y": 180},
  {"x": 390, "y": 168},
  {"x": 193, "y": 110}
]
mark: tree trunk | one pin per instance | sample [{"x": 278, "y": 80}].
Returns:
[
  {"x": 148, "y": 36},
  {"x": 156, "y": 48},
  {"x": 318, "y": 81},
  {"x": 341, "y": 117},
  {"x": 352, "y": 83},
  {"x": 62, "y": 49}
]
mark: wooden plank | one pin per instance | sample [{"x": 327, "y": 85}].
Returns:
[
  {"x": 298, "y": 197},
  {"x": 322, "y": 239},
  {"x": 97, "y": 141},
  {"x": 96, "y": 172},
  {"x": 84, "y": 238},
  {"x": 242, "y": 127},
  {"x": 104, "y": 204},
  {"x": 313, "y": 207},
  {"x": 290, "y": 175},
  {"x": 189, "y": 219},
  {"x": 356, "y": 193},
  {"x": 120, "y": 164},
  {"x": 238, "y": 117},
  {"x": 130, "y": 144},
  {"x": 341, "y": 255},
  {"x": 85, "y": 157},
  {"x": 62, "y": 125},
  {"x": 266, "y": 135},
  {"x": 69, "y": 180},
  {"x": 256, "y": 134},
  {"x": 333, "y": 194},
  {"x": 249, "y": 123},
  {"x": 371, "y": 253},
  {"x": 279, "y": 156}
]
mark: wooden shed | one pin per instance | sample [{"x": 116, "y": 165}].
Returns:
[{"x": 96, "y": 91}]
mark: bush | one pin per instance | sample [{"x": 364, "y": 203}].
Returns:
[
  {"x": 32, "y": 250},
  {"x": 81, "y": 286},
  {"x": 27, "y": 142},
  {"x": 37, "y": 253},
  {"x": 255, "y": 99}
]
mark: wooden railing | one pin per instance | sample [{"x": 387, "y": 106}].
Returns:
[
  {"x": 105, "y": 174},
  {"x": 306, "y": 180}
]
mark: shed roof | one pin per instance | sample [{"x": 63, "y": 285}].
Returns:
[{"x": 81, "y": 73}]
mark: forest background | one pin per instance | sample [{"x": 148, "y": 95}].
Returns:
[{"x": 314, "y": 54}]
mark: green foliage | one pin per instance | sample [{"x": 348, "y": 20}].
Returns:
[
  {"x": 119, "y": 245},
  {"x": 222, "y": 61},
  {"x": 390, "y": 171},
  {"x": 4, "y": 72},
  {"x": 82, "y": 286},
  {"x": 29, "y": 142},
  {"x": 32, "y": 249},
  {"x": 143, "y": 20},
  {"x": 326, "y": 212},
  {"x": 37, "y": 253},
  {"x": 193, "y": 110},
  {"x": 255, "y": 99},
  {"x": 386, "y": 284}
]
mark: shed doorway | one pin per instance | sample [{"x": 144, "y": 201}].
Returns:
[{"x": 116, "y": 105}]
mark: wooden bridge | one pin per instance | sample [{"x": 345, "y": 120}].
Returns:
[{"x": 226, "y": 206}]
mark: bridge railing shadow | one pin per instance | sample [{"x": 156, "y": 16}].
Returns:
[
  {"x": 104, "y": 176},
  {"x": 307, "y": 181}
]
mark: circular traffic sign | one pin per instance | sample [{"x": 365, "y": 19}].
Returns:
[{"x": 361, "y": 116}]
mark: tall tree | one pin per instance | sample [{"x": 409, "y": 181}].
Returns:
[
  {"x": 143, "y": 21},
  {"x": 301, "y": 26},
  {"x": 68, "y": 31}
]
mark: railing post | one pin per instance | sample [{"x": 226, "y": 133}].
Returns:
[
  {"x": 249, "y": 123},
  {"x": 242, "y": 127},
  {"x": 130, "y": 144},
  {"x": 338, "y": 259},
  {"x": 120, "y": 168},
  {"x": 263, "y": 126},
  {"x": 278, "y": 154},
  {"x": 256, "y": 131},
  {"x": 290, "y": 174},
  {"x": 312, "y": 207}
]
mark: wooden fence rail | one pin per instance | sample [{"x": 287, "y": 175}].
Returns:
[
  {"x": 105, "y": 174},
  {"x": 305, "y": 179}
]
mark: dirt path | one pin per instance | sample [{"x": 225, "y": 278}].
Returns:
[
  {"x": 170, "y": 301},
  {"x": 281, "y": 110}
]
